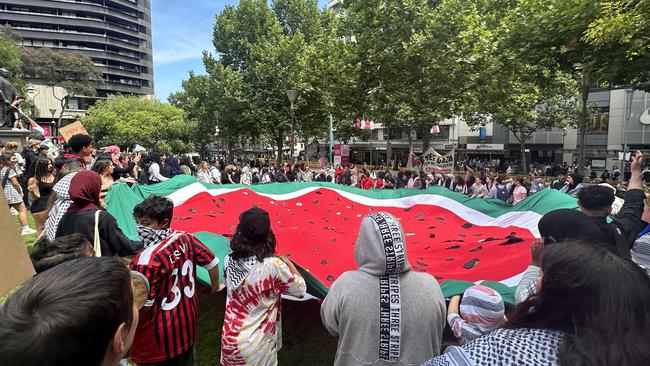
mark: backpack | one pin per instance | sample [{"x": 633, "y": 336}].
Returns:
[
  {"x": 143, "y": 178},
  {"x": 502, "y": 192}
]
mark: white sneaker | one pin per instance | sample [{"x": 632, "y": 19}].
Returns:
[
  {"x": 15, "y": 129},
  {"x": 28, "y": 231},
  {"x": 13, "y": 211}
]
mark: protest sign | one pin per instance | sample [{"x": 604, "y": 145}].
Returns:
[
  {"x": 72, "y": 129},
  {"x": 14, "y": 258},
  {"x": 435, "y": 163}
]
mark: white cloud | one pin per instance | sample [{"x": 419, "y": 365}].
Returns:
[{"x": 182, "y": 33}]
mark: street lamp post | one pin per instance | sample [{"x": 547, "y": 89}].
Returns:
[
  {"x": 292, "y": 95},
  {"x": 629, "y": 93},
  {"x": 56, "y": 128}
]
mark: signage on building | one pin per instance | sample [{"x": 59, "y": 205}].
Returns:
[{"x": 484, "y": 146}]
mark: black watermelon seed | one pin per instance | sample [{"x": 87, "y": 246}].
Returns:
[
  {"x": 323, "y": 262},
  {"x": 454, "y": 247},
  {"x": 314, "y": 202},
  {"x": 420, "y": 219},
  {"x": 454, "y": 241},
  {"x": 421, "y": 214},
  {"x": 431, "y": 227},
  {"x": 181, "y": 218},
  {"x": 466, "y": 226},
  {"x": 440, "y": 218},
  {"x": 512, "y": 240},
  {"x": 462, "y": 235},
  {"x": 193, "y": 210},
  {"x": 471, "y": 263},
  {"x": 330, "y": 278},
  {"x": 512, "y": 234},
  {"x": 407, "y": 209},
  {"x": 438, "y": 278},
  {"x": 319, "y": 192},
  {"x": 488, "y": 239},
  {"x": 427, "y": 248},
  {"x": 222, "y": 200},
  {"x": 432, "y": 236},
  {"x": 418, "y": 269},
  {"x": 422, "y": 264},
  {"x": 477, "y": 234},
  {"x": 450, "y": 259},
  {"x": 476, "y": 249}
]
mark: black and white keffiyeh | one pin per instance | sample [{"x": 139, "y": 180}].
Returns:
[
  {"x": 60, "y": 207},
  {"x": 236, "y": 270},
  {"x": 149, "y": 236},
  {"x": 524, "y": 346}
]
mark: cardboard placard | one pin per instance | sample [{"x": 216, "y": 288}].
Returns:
[
  {"x": 14, "y": 258},
  {"x": 75, "y": 128}
]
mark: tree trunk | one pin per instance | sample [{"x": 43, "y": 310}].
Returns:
[
  {"x": 231, "y": 148},
  {"x": 426, "y": 140},
  {"x": 524, "y": 163},
  {"x": 583, "y": 119},
  {"x": 389, "y": 150},
  {"x": 279, "y": 142}
]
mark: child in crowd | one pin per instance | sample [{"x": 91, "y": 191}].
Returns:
[
  {"x": 47, "y": 254},
  {"x": 168, "y": 325},
  {"x": 481, "y": 311},
  {"x": 255, "y": 279}
]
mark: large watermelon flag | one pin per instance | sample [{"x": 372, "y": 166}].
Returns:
[{"x": 457, "y": 239}]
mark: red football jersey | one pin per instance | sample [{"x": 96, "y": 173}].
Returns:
[{"x": 168, "y": 321}]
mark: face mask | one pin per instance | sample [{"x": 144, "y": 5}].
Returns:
[{"x": 150, "y": 236}]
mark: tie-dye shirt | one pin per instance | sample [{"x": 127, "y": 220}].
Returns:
[{"x": 252, "y": 330}]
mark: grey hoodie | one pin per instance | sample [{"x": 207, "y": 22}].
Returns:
[{"x": 383, "y": 313}]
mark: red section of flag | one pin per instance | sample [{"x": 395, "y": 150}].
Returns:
[{"x": 319, "y": 230}]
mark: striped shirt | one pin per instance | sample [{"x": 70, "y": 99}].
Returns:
[{"x": 168, "y": 322}]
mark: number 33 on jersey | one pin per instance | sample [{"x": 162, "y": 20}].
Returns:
[{"x": 168, "y": 322}]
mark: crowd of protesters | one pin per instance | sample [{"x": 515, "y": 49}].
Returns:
[{"x": 582, "y": 301}]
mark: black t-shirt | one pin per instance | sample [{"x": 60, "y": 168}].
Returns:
[{"x": 113, "y": 241}]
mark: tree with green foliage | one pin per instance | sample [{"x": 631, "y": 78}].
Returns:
[
  {"x": 127, "y": 121},
  {"x": 261, "y": 52},
  {"x": 418, "y": 58},
  {"x": 568, "y": 32},
  {"x": 9, "y": 55},
  {"x": 72, "y": 71}
]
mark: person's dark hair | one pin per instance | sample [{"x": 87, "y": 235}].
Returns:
[
  {"x": 243, "y": 247},
  {"x": 154, "y": 157},
  {"x": 598, "y": 299},
  {"x": 48, "y": 254},
  {"x": 101, "y": 165},
  {"x": 596, "y": 197},
  {"x": 6, "y": 158},
  {"x": 67, "y": 168},
  {"x": 40, "y": 169},
  {"x": 79, "y": 141},
  {"x": 67, "y": 315},
  {"x": 158, "y": 208}
]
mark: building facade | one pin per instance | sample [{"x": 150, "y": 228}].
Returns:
[
  {"x": 621, "y": 118},
  {"x": 115, "y": 34}
]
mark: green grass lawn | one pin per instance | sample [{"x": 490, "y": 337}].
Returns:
[{"x": 305, "y": 340}]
